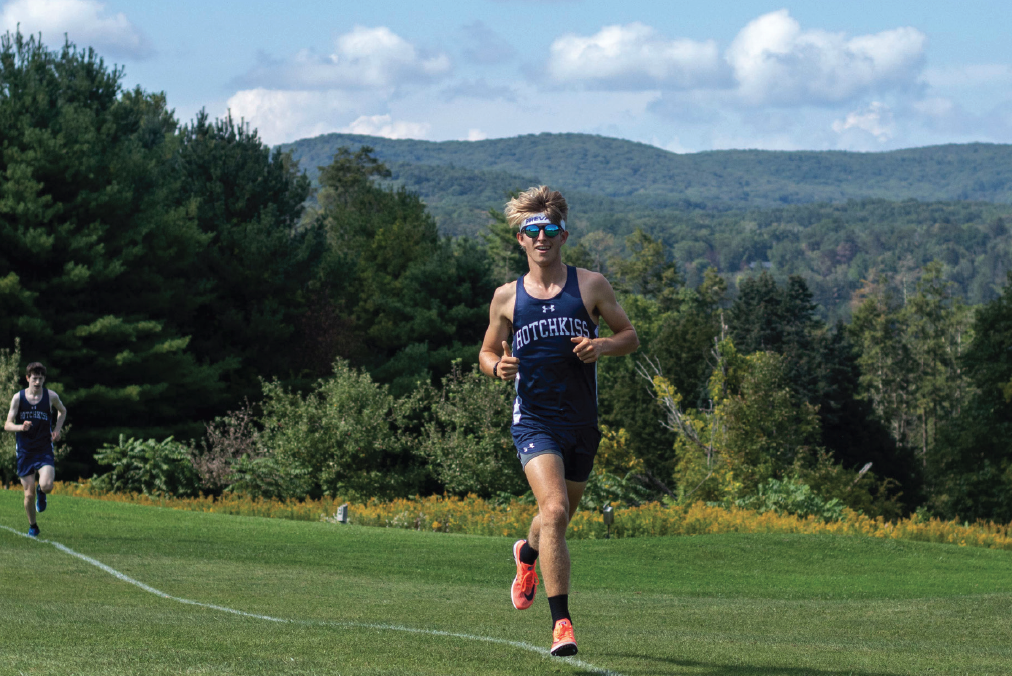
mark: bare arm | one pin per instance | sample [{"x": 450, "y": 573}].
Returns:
[
  {"x": 12, "y": 416},
  {"x": 494, "y": 348},
  {"x": 624, "y": 339},
  {"x": 61, "y": 413}
]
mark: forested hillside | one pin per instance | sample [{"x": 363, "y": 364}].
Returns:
[
  {"x": 657, "y": 178},
  {"x": 836, "y": 248}
]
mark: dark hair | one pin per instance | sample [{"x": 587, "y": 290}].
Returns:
[{"x": 36, "y": 368}]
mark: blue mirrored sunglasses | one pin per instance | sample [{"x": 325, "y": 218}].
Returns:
[{"x": 533, "y": 231}]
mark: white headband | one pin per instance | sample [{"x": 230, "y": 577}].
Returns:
[{"x": 541, "y": 219}]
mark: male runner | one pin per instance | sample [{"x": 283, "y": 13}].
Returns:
[
  {"x": 552, "y": 314},
  {"x": 31, "y": 417}
]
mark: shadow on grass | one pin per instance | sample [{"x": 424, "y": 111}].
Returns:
[{"x": 698, "y": 668}]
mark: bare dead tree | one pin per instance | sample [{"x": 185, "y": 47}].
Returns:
[
  {"x": 677, "y": 420},
  {"x": 228, "y": 439}
]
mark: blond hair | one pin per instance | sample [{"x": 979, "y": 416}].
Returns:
[{"x": 539, "y": 200}]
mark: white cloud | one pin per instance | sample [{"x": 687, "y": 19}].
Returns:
[
  {"x": 86, "y": 22},
  {"x": 383, "y": 125},
  {"x": 634, "y": 56},
  {"x": 365, "y": 58},
  {"x": 774, "y": 61},
  {"x": 281, "y": 116},
  {"x": 771, "y": 61},
  {"x": 476, "y": 135},
  {"x": 876, "y": 119}
]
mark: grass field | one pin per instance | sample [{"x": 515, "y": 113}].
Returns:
[{"x": 722, "y": 604}]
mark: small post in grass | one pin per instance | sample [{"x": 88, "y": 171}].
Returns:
[
  {"x": 609, "y": 518},
  {"x": 342, "y": 513}
]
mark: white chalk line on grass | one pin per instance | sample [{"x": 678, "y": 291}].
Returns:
[{"x": 361, "y": 625}]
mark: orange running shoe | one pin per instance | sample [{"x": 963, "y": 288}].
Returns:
[
  {"x": 525, "y": 584},
  {"x": 563, "y": 641}
]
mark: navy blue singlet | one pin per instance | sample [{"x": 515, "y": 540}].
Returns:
[
  {"x": 39, "y": 438},
  {"x": 553, "y": 386}
]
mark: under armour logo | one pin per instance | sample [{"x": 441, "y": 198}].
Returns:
[{"x": 546, "y": 308}]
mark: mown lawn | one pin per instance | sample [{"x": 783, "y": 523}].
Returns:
[{"x": 722, "y": 604}]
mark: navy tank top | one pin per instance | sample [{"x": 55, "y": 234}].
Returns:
[
  {"x": 39, "y": 438},
  {"x": 553, "y": 386}
]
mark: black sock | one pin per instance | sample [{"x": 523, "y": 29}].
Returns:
[
  {"x": 559, "y": 605},
  {"x": 528, "y": 555}
]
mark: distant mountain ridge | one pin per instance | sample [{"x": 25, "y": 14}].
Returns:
[{"x": 722, "y": 179}]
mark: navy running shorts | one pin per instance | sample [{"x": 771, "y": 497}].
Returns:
[
  {"x": 30, "y": 462},
  {"x": 576, "y": 446}
]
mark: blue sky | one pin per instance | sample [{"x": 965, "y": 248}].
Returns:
[{"x": 688, "y": 77}]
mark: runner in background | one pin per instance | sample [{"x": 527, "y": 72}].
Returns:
[{"x": 31, "y": 416}]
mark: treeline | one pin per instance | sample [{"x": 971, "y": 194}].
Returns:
[
  {"x": 754, "y": 402},
  {"x": 176, "y": 284}
]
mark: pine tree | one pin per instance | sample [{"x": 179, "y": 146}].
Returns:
[
  {"x": 970, "y": 470},
  {"x": 879, "y": 328},
  {"x": 938, "y": 331},
  {"x": 412, "y": 301},
  {"x": 247, "y": 291},
  {"x": 94, "y": 254}
]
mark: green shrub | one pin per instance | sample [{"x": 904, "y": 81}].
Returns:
[
  {"x": 343, "y": 435},
  {"x": 467, "y": 439},
  {"x": 150, "y": 467},
  {"x": 268, "y": 478},
  {"x": 790, "y": 496},
  {"x": 861, "y": 491}
]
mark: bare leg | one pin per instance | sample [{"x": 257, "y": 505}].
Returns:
[
  {"x": 574, "y": 490},
  {"x": 28, "y": 482},
  {"x": 557, "y": 502},
  {"x": 47, "y": 473}
]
